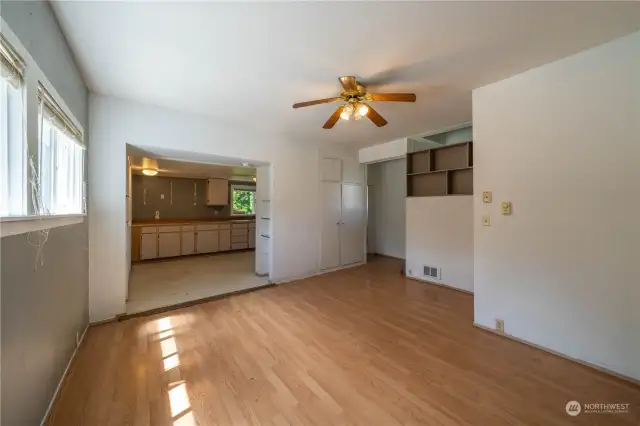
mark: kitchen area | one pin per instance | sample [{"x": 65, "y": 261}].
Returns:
[{"x": 193, "y": 231}]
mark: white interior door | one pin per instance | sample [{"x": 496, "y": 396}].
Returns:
[
  {"x": 352, "y": 224},
  {"x": 331, "y": 206}
]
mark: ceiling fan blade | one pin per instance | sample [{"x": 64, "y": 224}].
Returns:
[
  {"x": 316, "y": 102},
  {"x": 334, "y": 118},
  {"x": 393, "y": 97},
  {"x": 375, "y": 117},
  {"x": 349, "y": 83}
]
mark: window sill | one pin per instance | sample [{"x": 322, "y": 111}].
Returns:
[{"x": 13, "y": 225}]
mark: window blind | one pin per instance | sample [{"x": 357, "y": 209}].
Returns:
[
  {"x": 11, "y": 65},
  {"x": 51, "y": 111}
]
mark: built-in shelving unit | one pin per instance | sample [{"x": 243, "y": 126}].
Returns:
[{"x": 446, "y": 170}]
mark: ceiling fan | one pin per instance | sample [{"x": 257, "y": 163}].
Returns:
[{"x": 354, "y": 95}]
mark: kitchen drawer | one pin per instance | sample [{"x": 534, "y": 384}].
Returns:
[
  {"x": 207, "y": 227},
  {"x": 239, "y": 226},
  {"x": 168, "y": 229},
  {"x": 225, "y": 226},
  {"x": 149, "y": 229},
  {"x": 239, "y": 238},
  {"x": 188, "y": 228},
  {"x": 239, "y": 246},
  {"x": 239, "y": 232}
]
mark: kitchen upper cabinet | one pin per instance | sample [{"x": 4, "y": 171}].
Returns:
[
  {"x": 148, "y": 246},
  {"x": 169, "y": 244},
  {"x": 217, "y": 192},
  {"x": 207, "y": 241}
]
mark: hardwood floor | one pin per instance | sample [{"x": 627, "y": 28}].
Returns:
[{"x": 362, "y": 346}]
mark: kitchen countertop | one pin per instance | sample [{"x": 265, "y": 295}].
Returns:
[{"x": 152, "y": 222}]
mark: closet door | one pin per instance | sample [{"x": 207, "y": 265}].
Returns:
[
  {"x": 352, "y": 224},
  {"x": 331, "y": 205}
]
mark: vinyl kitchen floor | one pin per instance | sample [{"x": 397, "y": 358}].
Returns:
[{"x": 164, "y": 283}]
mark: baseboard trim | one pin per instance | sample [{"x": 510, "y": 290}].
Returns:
[
  {"x": 440, "y": 285},
  {"x": 168, "y": 308},
  {"x": 387, "y": 256},
  {"x": 106, "y": 321},
  {"x": 315, "y": 274},
  {"x": 64, "y": 376},
  {"x": 600, "y": 369}
]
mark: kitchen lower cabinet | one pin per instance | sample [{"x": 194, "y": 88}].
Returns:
[
  {"x": 252, "y": 237},
  {"x": 188, "y": 243},
  {"x": 148, "y": 246},
  {"x": 171, "y": 240},
  {"x": 224, "y": 239},
  {"x": 207, "y": 241},
  {"x": 169, "y": 244}
]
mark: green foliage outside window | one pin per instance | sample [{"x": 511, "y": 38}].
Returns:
[{"x": 243, "y": 202}]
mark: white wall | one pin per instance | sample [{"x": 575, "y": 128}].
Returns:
[
  {"x": 388, "y": 189},
  {"x": 115, "y": 122},
  {"x": 561, "y": 143},
  {"x": 440, "y": 234},
  {"x": 384, "y": 151}
]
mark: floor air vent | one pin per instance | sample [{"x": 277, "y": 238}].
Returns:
[{"x": 431, "y": 272}]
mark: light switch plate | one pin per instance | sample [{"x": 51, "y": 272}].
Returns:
[
  {"x": 506, "y": 208},
  {"x": 486, "y": 197},
  {"x": 486, "y": 220}
]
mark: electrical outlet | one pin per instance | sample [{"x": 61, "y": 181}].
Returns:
[
  {"x": 486, "y": 197},
  {"x": 486, "y": 220},
  {"x": 506, "y": 208},
  {"x": 157, "y": 214},
  {"x": 500, "y": 325},
  {"x": 162, "y": 196}
]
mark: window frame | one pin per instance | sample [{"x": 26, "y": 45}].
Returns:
[
  {"x": 240, "y": 187},
  {"x": 32, "y": 77}
]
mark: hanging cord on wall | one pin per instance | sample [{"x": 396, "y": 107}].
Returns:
[{"x": 42, "y": 235}]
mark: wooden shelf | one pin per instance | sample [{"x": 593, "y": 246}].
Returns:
[{"x": 447, "y": 170}]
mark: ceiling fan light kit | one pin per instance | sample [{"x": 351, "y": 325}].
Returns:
[
  {"x": 149, "y": 172},
  {"x": 354, "y": 96}
]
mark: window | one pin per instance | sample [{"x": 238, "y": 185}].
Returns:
[
  {"x": 12, "y": 147},
  {"x": 61, "y": 171},
  {"x": 244, "y": 199}
]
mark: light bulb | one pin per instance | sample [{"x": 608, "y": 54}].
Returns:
[
  {"x": 363, "y": 109},
  {"x": 149, "y": 172},
  {"x": 344, "y": 115}
]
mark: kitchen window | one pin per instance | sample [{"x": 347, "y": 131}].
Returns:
[{"x": 243, "y": 200}]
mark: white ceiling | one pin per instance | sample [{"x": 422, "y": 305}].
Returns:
[
  {"x": 245, "y": 64},
  {"x": 200, "y": 167}
]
